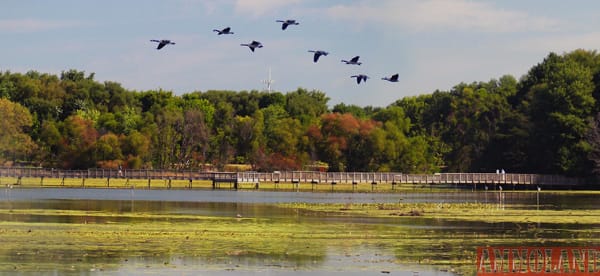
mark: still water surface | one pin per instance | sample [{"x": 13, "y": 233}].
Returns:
[
  {"x": 553, "y": 199},
  {"x": 429, "y": 238}
]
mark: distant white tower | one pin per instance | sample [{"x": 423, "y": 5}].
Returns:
[{"x": 268, "y": 81}]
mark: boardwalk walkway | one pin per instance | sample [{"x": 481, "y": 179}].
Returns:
[
  {"x": 301, "y": 177},
  {"x": 399, "y": 178}
]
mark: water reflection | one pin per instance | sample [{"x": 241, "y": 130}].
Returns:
[
  {"x": 135, "y": 198},
  {"x": 555, "y": 199}
]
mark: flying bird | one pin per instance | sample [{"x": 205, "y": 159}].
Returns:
[
  {"x": 223, "y": 31},
  {"x": 287, "y": 22},
  {"x": 360, "y": 78},
  {"x": 162, "y": 43},
  {"x": 255, "y": 44},
  {"x": 318, "y": 54},
  {"x": 354, "y": 60},
  {"x": 393, "y": 78}
]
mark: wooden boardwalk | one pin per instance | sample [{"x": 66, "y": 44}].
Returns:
[
  {"x": 298, "y": 177},
  {"x": 399, "y": 178}
]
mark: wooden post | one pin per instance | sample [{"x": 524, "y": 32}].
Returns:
[
  {"x": 148, "y": 181},
  {"x": 42, "y": 181},
  {"x": 83, "y": 182}
]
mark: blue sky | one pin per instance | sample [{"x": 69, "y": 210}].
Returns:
[{"x": 432, "y": 44}]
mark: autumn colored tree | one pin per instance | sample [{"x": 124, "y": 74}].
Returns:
[
  {"x": 344, "y": 141},
  {"x": 15, "y": 142},
  {"x": 77, "y": 146}
]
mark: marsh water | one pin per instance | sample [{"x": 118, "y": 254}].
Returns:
[{"x": 402, "y": 245}]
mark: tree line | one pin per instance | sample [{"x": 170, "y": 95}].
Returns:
[{"x": 547, "y": 121}]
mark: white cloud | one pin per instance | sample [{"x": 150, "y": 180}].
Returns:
[
  {"x": 558, "y": 43},
  {"x": 33, "y": 25},
  {"x": 427, "y": 15},
  {"x": 261, "y": 7}
]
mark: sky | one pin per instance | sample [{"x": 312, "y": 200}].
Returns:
[{"x": 431, "y": 44}]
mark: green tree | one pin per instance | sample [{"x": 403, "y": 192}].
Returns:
[
  {"x": 166, "y": 140},
  {"x": 305, "y": 105},
  {"x": 136, "y": 147},
  {"x": 557, "y": 96},
  {"x": 50, "y": 141},
  {"x": 223, "y": 141},
  {"x": 195, "y": 136},
  {"x": 108, "y": 148}
]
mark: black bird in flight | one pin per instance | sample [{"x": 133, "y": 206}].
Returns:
[
  {"x": 318, "y": 54},
  {"x": 393, "y": 78},
  {"x": 255, "y": 44},
  {"x": 162, "y": 43},
  {"x": 354, "y": 60},
  {"x": 360, "y": 78},
  {"x": 223, "y": 31},
  {"x": 287, "y": 22}
]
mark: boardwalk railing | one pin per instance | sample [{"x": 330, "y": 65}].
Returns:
[
  {"x": 301, "y": 176},
  {"x": 113, "y": 173},
  {"x": 399, "y": 178}
]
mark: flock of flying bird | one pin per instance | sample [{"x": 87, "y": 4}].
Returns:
[{"x": 284, "y": 24}]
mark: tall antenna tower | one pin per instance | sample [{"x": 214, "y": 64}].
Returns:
[{"x": 268, "y": 81}]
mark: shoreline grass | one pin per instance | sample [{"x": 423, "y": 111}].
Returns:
[{"x": 125, "y": 183}]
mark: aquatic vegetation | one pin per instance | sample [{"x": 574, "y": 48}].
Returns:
[
  {"x": 470, "y": 211},
  {"x": 295, "y": 235}
]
